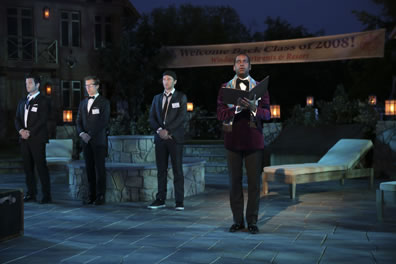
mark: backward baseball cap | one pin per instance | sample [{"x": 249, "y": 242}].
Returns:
[{"x": 170, "y": 73}]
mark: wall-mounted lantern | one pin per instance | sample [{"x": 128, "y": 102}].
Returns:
[
  {"x": 190, "y": 107},
  {"x": 390, "y": 107},
  {"x": 310, "y": 100},
  {"x": 48, "y": 89},
  {"x": 275, "y": 111},
  {"x": 46, "y": 13},
  {"x": 372, "y": 100},
  {"x": 67, "y": 116}
]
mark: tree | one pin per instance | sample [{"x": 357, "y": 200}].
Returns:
[{"x": 375, "y": 75}]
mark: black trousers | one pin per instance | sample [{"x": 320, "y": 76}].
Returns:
[
  {"x": 254, "y": 166},
  {"x": 33, "y": 154},
  {"x": 163, "y": 150},
  {"x": 96, "y": 172}
]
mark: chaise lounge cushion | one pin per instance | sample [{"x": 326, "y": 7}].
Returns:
[
  {"x": 347, "y": 152},
  {"x": 342, "y": 156}
]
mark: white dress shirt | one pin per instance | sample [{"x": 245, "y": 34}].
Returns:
[{"x": 30, "y": 97}]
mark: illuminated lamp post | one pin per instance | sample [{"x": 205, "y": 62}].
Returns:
[
  {"x": 190, "y": 107},
  {"x": 275, "y": 111},
  {"x": 67, "y": 116},
  {"x": 46, "y": 13},
  {"x": 390, "y": 107},
  {"x": 372, "y": 100}
]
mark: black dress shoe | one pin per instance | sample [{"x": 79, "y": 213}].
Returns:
[
  {"x": 46, "y": 200},
  {"x": 236, "y": 227},
  {"x": 253, "y": 229},
  {"x": 29, "y": 198},
  {"x": 100, "y": 200}
]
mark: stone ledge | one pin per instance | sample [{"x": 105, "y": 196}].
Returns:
[{"x": 128, "y": 182}]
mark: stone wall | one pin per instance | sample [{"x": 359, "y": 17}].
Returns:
[
  {"x": 136, "y": 182},
  {"x": 132, "y": 149},
  {"x": 131, "y": 173},
  {"x": 271, "y": 131}
]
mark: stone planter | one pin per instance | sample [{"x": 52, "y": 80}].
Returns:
[
  {"x": 128, "y": 182},
  {"x": 131, "y": 149}
]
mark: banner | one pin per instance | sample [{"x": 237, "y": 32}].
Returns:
[{"x": 369, "y": 44}]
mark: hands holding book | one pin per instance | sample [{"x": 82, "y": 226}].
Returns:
[{"x": 245, "y": 103}]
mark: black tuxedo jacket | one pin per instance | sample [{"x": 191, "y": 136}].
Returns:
[
  {"x": 96, "y": 121},
  {"x": 175, "y": 117},
  {"x": 37, "y": 118}
]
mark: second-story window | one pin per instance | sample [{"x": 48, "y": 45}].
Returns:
[
  {"x": 103, "y": 29},
  {"x": 70, "y": 29},
  {"x": 20, "y": 33}
]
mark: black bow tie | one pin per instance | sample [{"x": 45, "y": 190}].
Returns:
[
  {"x": 238, "y": 81},
  {"x": 91, "y": 97}
]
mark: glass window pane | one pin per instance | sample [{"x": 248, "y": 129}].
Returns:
[
  {"x": 98, "y": 19},
  {"x": 65, "y": 15},
  {"x": 27, "y": 12},
  {"x": 76, "y": 34},
  {"x": 27, "y": 27},
  {"x": 108, "y": 35},
  {"x": 108, "y": 19},
  {"x": 65, "y": 85},
  {"x": 76, "y": 98},
  {"x": 66, "y": 93},
  {"x": 76, "y": 16},
  {"x": 98, "y": 36},
  {"x": 12, "y": 11},
  {"x": 66, "y": 98},
  {"x": 77, "y": 85},
  {"x": 12, "y": 26},
  {"x": 65, "y": 33}
]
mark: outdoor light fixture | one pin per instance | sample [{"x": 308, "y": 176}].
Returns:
[
  {"x": 190, "y": 107},
  {"x": 46, "y": 12},
  {"x": 48, "y": 89},
  {"x": 67, "y": 116},
  {"x": 310, "y": 100},
  {"x": 372, "y": 100},
  {"x": 275, "y": 111},
  {"x": 390, "y": 107}
]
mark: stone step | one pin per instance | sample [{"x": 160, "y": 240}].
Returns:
[
  {"x": 10, "y": 170},
  {"x": 221, "y": 179},
  {"x": 216, "y": 167},
  {"x": 219, "y": 158},
  {"x": 204, "y": 149},
  {"x": 4, "y": 163}
]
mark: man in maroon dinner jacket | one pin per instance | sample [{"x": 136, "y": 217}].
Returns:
[{"x": 244, "y": 141}]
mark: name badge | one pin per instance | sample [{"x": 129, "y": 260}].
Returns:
[
  {"x": 95, "y": 111},
  {"x": 34, "y": 109},
  {"x": 175, "y": 105}
]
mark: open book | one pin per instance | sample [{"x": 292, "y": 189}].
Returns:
[{"x": 231, "y": 95}]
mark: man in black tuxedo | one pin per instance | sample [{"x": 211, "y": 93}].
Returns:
[
  {"x": 31, "y": 123},
  {"x": 92, "y": 121},
  {"x": 167, "y": 118}
]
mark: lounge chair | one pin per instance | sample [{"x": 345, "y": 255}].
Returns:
[{"x": 346, "y": 159}]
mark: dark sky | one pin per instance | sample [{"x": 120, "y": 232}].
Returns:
[{"x": 334, "y": 16}]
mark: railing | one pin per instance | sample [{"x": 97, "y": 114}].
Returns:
[{"x": 31, "y": 49}]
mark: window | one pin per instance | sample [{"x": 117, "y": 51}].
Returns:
[
  {"x": 103, "y": 29},
  {"x": 20, "y": 42},
  {"x": 71, "y": 93},
  {"x": 70, "y": 29}
]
